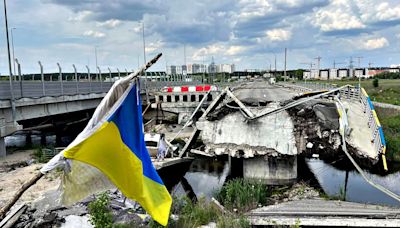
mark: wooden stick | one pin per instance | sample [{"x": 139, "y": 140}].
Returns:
[{"x": 17, "y": 195}]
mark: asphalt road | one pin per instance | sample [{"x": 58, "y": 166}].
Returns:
[{"x": 262, "y": 91}]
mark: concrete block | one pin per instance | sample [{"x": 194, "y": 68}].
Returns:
[{"x": 273, "y": 170}]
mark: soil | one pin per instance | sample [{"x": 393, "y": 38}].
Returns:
[{"x": 15, "y": 171}]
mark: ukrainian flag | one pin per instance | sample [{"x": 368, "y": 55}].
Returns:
[{"x": 117, "y": 148}]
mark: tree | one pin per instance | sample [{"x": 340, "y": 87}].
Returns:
[{"x": 375, "y": 82}]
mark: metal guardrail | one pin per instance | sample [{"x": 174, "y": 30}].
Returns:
[
  {"x": 350, "y": 92},
  {"x": 37, "y": 89},
  {"x": 378, "y": 138}
]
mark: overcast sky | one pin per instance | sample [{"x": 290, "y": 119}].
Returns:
[{"x": 247, "y": 33}]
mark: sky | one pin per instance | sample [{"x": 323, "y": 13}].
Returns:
[{"x": 247, "y": 33}]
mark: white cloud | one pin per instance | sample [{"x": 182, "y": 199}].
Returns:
[
  {"x": 338, "y": 16},
  {"x": 112, "y": 23},
  {"x": 279, "y": 34},
  {"x": 254, "y": 8},
  {"x": 375, "y": 43},
  {"x": 376, "y": 12},
  {"x": 234, "y": 50},
  {"x": 80, "y": 16},
  {"x": 153, "y": 46},
  {"x": 95, "y": 34}
]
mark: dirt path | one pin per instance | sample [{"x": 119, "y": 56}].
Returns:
[{"x": 12, "y": 176}]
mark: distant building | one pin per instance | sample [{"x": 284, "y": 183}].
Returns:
[
  {"x": 171, "y": 69},
  {"x": 226, "y": 68},
  {"x": 196, "y": 68}
]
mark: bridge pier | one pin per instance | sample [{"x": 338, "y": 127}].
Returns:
[
  {"x": 273, "y": 170},
  {"x": 2, "y": 147},
  {"x": 28, "y": 140}
]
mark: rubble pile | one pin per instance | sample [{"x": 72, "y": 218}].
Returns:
[
  {"x": 124, "y": 211},
  {"x": 316, "y": 125}
]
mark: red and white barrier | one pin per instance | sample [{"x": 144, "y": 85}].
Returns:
[{"x": 183, "y": 89}]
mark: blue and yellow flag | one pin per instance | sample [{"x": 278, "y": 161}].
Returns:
[{"x": 117, "y": 148}]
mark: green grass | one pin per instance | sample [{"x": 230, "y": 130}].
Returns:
[
  {"x": 100, "y": 212},
  {"x": 243, "y": 195},
  {"x": 390, "y": 121},
  {"x": 201, "y": 213},
  {"x": 388, "y": 90}
]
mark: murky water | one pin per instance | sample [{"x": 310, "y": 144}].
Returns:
[
  {"x": 205, "y": 176},
  {"x": 355, "y": 188}
]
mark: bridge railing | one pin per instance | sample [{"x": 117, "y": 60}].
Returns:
[
  {"x": 349, "y": 92},
  {"x": 355, "y": 94},
  {"x": 377, "y": 136},
  {"x": 37, "y": 89}
]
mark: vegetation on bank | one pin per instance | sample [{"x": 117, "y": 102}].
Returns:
[
  {"x": 390, "y": 121},
  {"x": 237, "y": 197},
  {"x": 243, "y": 195},
  {"x": 385, "y": 91}
]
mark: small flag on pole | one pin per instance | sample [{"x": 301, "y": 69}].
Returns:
[{"x": 111, "y": 151}]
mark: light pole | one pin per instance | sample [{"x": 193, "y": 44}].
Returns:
[
  {"x": 95, "y": 55},
  {"x": 42, "y": 78},
  {"x": 101, "y": 80},
  {"x": 275, "y": 65},
  {"x": 60, "y": 78},
  {"x": 9, "y": 64},
  {"x": 76, "y": 78},
  {"x": 12, "y": 45},
  {"x": 89, "y": 78},
  {"x": 109, "y": 71},
  {"x": 144, "y": 58}
]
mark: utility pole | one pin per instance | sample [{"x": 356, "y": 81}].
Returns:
[
  {"x": 359, "y": 61},
  {"x": 336, "y": 63},
  {"x": 370, "y": 64},
  {"x": 275, "y": 65},
  {"x": 318, "y": 58},
  {"x": 184, "y": 73},
  {"x": 144, "y": 58},
  {"x": 359, "y": 66},
  {"x": 284, "y": 72},
  {"x": 12, "y": 45},
  {"x": 9, "y": 64},
  {"x": 351, "y": 66},
  {"x": 95, "y": 54}
]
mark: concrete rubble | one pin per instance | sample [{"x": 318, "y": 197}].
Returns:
[{"x": 45, "y": 212}]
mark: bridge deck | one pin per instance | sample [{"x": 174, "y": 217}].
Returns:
[
  {"x": 360, "y": 134},
  {"x": 319, "y": 212}
]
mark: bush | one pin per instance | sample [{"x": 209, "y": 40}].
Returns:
[
  {"x": 233, "y": 221},
  {"x": 375, "y": 82},
  {"x": 243, "y": 195},
  {"x": 100, "y": 213}
]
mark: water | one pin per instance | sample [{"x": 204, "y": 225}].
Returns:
[
  {"x": 205, "y": 176},
  {"x": 19, "y": 140},
  {"x": 357, "y": 189}
]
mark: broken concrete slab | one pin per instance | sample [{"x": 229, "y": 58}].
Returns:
[{"x": 232, "y": 135}]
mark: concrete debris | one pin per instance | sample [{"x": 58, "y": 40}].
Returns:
[
  {"x": 231, "y": 134},
  {"x": 73, "y": 221},
  {"x": 124, "y": 212}
]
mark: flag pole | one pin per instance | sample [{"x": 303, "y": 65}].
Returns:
[{"x": 39, "y": 175}]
